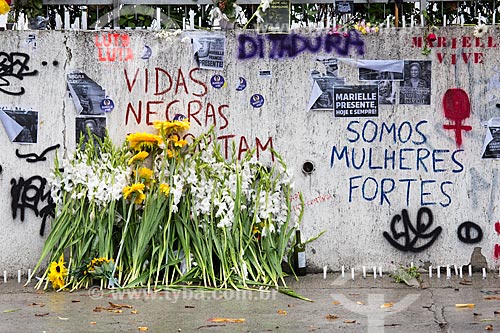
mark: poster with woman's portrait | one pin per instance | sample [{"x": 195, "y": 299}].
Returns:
[
  {"x": 416, "y": 86},
  {"x": 90, "y": 126}
]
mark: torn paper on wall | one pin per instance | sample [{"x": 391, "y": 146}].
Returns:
[
  {"x": 21, "y": 126},
  {"x": 87, "y": 95},
  {"x": 321, "y": 97}
]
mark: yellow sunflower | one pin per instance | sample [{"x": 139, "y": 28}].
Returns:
[
  {"x": 164, "y": 188},
  {"x": 171, "y": 126},
  {"x": 144, "y": 140},
  {"x": 145, "y": 173},
  {"x": 140, "y": 156},
  {"x": 57, "y": 273},
  {"x": 137, "y": 188}
]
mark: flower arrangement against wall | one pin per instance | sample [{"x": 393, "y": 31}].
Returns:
[{"x": 159, "y": 212}]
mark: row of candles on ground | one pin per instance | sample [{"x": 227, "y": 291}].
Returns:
[
  {"x": 458, "y": 271},
  {"x": 18, "y": 276}
]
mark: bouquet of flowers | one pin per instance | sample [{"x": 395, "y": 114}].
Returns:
[{"x": 160, "y": 212}]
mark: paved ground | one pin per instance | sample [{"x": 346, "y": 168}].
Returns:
[{"x": 339, "y": 305}]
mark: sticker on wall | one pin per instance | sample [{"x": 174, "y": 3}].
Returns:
[
  {"x": 179, "y": 117},
  {"x": 491, "y": 146},
  {"x": 217, "y": 81},
  {"x": 257, "y": 100},
  {"x": 31, "y": 41},
  {"x": 107, "y": 104},
  {"x": 87, "y": 95},
  {"x": 146, "y": 52},
  {"x": 242, "y": 84},
  {"x": 266, "y": 74},
  {"x": 21, "y": 126}
]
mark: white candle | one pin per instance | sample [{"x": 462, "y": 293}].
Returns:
[
  {"x": 412, "y": 21},
  {"x": 456, "y": 269},
  {"x": 199, "y": 22},
  {"x": 335, "y": 22},
  {"x": 342, "y": 271},
  {"x": 84, "y": 20},
  {"x": 430, "y": 271},
  {"x": 364, "y": 272},
  {"x": 462, "y": 20},
  {"x": 183, "y": 23},
  {"x": 158, "y": 18},
  {"x": 484, "y": 273},
  {"x": 18, "y": 276},
  {"x": 438, "y": 272},
  {"x": 380, "y": 271},
  {"x": 374, "y": 272},
  {"x": 411, "y": 264},
  {"x": 444, "y": 20},
  {"x": 448, "y": 272},
  {"x": 191, "y": 19},
  {"x": 387, "y": 21},
  {"x": 29, "y": 275},
  {"x": 67, "y": 24},
  {"x": 479, "y": 19},
  {"x": 324, "y": 272},
  {"x": 422, "y": 20},
  {"x": 4, "y": 276},
  {"x": 404, "y": 21},
  {"x": 352, "y": 274},
  {"x": 470, "y": 270},
  {"x": 460, "y": 270}
]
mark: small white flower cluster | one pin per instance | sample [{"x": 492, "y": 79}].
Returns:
[
  {"x": 264, "y": 5},
  {"x": 168, "y": 35},
  {"x": 96, "y": 180},
  {"x": 216, "y": 14}
]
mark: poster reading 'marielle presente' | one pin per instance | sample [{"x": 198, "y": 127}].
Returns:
[{"x": 356, "y": 101}]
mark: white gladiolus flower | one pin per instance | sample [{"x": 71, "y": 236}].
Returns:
[{"x": 265, "y": 4}]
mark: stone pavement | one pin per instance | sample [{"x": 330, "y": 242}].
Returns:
[{"x": 339, "y": 305}]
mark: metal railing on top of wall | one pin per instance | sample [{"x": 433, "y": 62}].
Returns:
[{"x": 75, "y": 14}]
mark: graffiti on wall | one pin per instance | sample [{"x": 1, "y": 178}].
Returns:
[
  {"x": 415, "y": 237},
  {"x": 14, "y": 66},
  {"x": 32, "y": 193},
  {"x": 468, "y": 46},
  {"x": 279, "y": 46},
  {"x": 456, "y": 106},
  {"x": 180, "y": 92},
  {"x": 414, "y": 158},
  {"x": 33, "y": 157},
  {"x": 469, "y": 232},
  {"x": 113, "y": 47}
]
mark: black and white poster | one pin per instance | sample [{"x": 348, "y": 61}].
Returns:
[
  {"x": 416, "y": 86},
  {"x": 21, "y": 126},
  {"x": 87, "y": 95},
  {"x": 88, "y": 126},
  {"x": 276, "y": 18},
  {"x": 209, "y": 50},
  {"x": 356, "y": 101},
  {"x": 491, "y": 147}
]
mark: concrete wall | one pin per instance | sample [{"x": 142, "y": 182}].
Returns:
[{"x": 413, "y": 165}]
